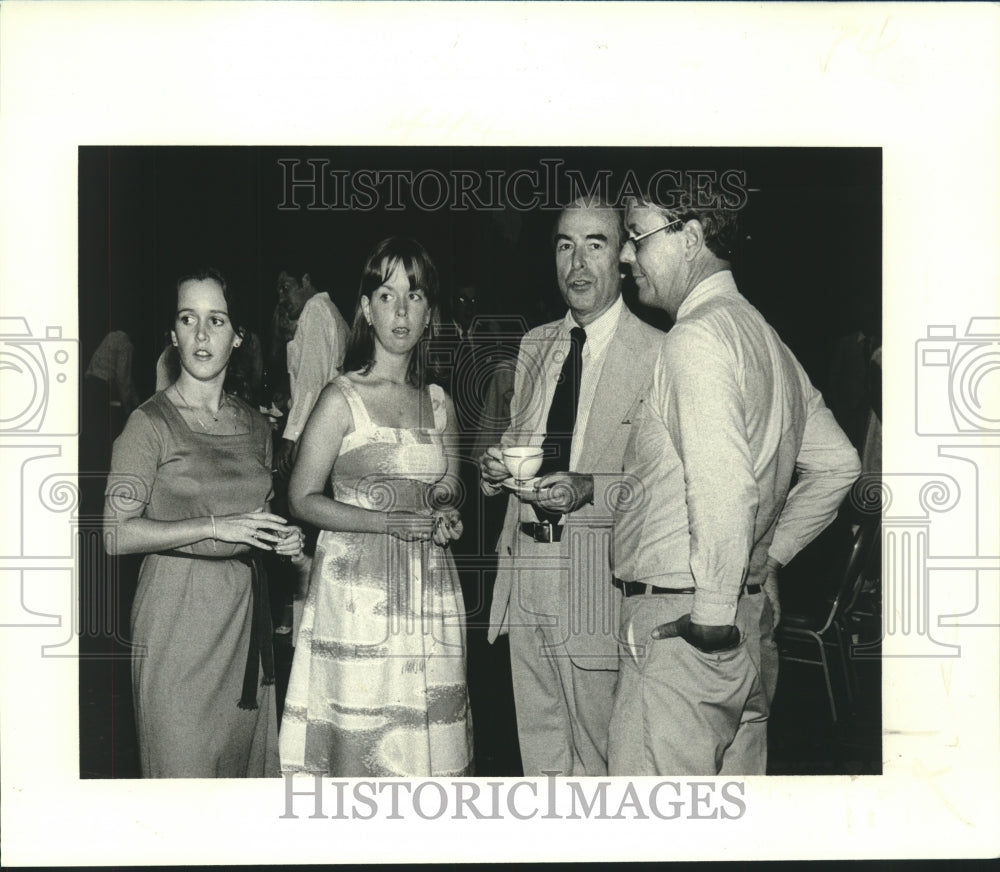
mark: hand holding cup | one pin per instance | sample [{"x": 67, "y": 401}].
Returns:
[{"x": 491, "y": 466}]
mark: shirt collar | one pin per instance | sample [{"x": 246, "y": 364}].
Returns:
[
  {"x": 599, "y": 331},
  {"x": 715, "y": 285}
]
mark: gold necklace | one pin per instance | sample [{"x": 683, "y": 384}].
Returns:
[{"x": 194, "y": 411}]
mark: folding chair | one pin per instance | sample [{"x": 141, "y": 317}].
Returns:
[{"x": 824, "y": 604}]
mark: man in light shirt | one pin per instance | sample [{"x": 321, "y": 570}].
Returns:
[
  {"x": 553, "y": 590},
  {"x": 315, "y": 354},
  {"x": 730, "y": 418}
]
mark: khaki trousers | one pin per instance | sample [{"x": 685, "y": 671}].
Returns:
[
  {"x": 678, "y": 711},
  {"x": 556, "y": 631}
]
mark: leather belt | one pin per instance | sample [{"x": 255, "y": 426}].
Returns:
[
  {"x": 542, "y": 531},
  {"x": 637, "y": 588}
]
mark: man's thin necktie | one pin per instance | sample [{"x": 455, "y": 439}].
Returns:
[{"x": 562, "y": 416}]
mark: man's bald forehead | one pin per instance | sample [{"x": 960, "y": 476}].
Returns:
[{"x": 612, "y": 216}]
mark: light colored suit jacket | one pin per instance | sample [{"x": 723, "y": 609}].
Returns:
[{"x": 583, "y": 555}]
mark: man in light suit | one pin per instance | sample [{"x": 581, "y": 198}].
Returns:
[{"x": 553, "y": 591}]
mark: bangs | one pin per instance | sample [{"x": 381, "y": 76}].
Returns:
[
  {"x": 414, "y": 268},
  {"x": 411, "y": 256}
]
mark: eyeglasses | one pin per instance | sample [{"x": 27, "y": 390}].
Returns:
[{"x": 635, "y": 240}]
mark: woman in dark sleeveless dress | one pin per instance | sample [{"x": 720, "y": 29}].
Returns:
[{"x": 189, "y": 484}]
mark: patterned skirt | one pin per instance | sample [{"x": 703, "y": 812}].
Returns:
[{"x": 378, "y": 684}]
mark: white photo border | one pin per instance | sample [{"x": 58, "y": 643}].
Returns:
[{"x": 917, "y": 80}]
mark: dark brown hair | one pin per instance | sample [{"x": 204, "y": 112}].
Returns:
[
  {"x": 237, "y": 379},
  {"x": 420, "y": 270}
]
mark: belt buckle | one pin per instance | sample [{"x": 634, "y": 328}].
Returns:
[{"x": 543, "y": 532}]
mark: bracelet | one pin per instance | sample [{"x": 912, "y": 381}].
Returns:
[{"x": 215, "y": 544}]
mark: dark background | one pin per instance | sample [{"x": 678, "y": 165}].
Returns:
[
  {"x": 811, "y": 247},
  {"x": 809, "y": 258}
]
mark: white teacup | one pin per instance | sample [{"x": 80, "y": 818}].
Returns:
[{"x": 522, "y": 462}]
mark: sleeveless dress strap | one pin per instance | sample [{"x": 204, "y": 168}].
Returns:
[
  {"x": 439, "y": 406},
  {"x": 357, "y": 406}
]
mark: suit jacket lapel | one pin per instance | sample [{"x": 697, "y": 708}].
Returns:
[
  {"x": 529, "y": 414},
  {"x": 613, "y": 398}
]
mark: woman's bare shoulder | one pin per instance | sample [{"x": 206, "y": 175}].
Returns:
[{"x": 333, "y": 398}]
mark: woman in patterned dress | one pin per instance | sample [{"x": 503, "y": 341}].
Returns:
[
  {"x": 378, "y": 683},
  {"x": 189, "y": 483}
]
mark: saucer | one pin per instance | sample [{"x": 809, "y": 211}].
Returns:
[{"x": 524, "y": 488}]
